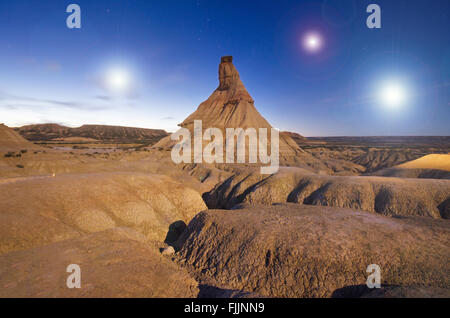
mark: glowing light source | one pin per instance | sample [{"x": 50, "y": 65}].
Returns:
[
  {"x": 312, "y": 42},
  {"x": 393, "y": 94},
  {"x": 118, "y": 80}
]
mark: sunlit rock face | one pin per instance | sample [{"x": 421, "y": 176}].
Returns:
[
  {"x": 76, "y": 204},
  {"x": 228, "y": 75},
  {"x": 231, "y": 106}
]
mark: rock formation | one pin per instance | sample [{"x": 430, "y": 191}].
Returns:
[
  {"x": 72, "y": 205},
  {"x": 105, "y": 133},
  {"x": 231, "y": 106},
  {"x": 289, "y": 250},
  {"x": 12, "y": 141},
  {"x": 299, "y": 139},
  {"x": 110, "y": 224},
  {"x": 113, "y": 263},
  {"x": 388, "y": 196},
  {"x": 434, "y": 166}
]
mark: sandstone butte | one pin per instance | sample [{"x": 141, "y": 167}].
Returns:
[{"x": 231, "y": 106}]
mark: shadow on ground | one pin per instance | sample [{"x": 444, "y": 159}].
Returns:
[{"x": 175, "y": 230}]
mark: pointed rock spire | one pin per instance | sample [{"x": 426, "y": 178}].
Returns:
[
  {"x": 230, "y": 82},
  {"x": 231, "y": 106}
]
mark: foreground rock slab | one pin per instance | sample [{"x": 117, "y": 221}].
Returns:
[
  {"x": 113, "y": 263},
  {"x": 40, "y": 210},
  {"x": 290, "y": 250}
]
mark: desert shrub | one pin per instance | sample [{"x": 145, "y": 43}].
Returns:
[
  {"x": 18, "y": 155},
  {"x": 9, "y": 154},
  {"x": 20, "y": 166},
  {"x": 24, "y": 151}
]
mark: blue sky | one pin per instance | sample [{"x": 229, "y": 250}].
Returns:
[{"x": 171, "y": 50}]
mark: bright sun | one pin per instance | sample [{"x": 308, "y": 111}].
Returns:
[
  {"x": 118, "y": 80},
  {"x": 312, "y": 42},
  {"x": 393, "y": 94}
]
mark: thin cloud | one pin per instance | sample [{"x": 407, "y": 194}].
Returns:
[
  {"x": 104, "y": 98},
  {"x": 10, "y": 107},
  {"x": 15, "y": 101}
]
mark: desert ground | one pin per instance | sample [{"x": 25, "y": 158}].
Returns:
[{"x": 111, "y": 200}]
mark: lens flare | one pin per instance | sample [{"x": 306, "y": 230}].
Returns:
[
  {"x": 118, "y": 80},
  {"x": 312, "y": 42},
  {"x": 393, "y": 94}
]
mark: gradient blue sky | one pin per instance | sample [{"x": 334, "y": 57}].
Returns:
[{"x": 49, "y": 73}]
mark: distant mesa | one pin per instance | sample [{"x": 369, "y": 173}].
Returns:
[{"x": 48, "y": 132}]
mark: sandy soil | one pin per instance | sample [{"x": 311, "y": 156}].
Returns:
[{"x": 434, "y": 161}]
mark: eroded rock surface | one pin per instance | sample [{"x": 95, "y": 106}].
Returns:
[
  {"x": 291, "y": 250},
  {"x": 388, "y": 196},
  {"x": 42, "y": 210},
  {"x": 113, "y": 263}
]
